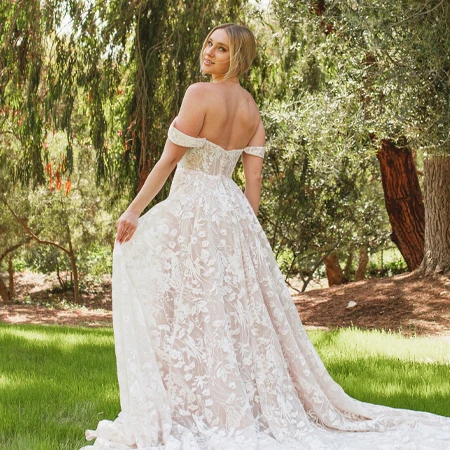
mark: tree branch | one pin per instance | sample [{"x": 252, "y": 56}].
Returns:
[
  {"x": 14, "y": 247},
  {"x": 25, "y": 227}
]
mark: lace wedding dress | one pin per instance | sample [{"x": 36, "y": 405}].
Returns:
[{"x": 211, "y": 353}]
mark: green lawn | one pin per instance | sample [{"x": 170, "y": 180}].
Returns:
[{"x": 57, "y": 381}]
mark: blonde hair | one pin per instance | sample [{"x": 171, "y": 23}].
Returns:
[{"x": 242, "y": 48}]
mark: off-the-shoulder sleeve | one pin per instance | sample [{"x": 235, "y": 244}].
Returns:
[
  {"x": 257, "y": 151},
  {"x": 184, "y": 140}
]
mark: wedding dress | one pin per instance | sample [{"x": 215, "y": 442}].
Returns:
[{"x": 211, "y": 353}]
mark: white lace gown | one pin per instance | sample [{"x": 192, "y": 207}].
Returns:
[{"x": 211, "y": 353}]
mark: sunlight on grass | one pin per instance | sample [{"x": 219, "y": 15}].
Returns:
[
  {"x": 55, "y": 381},
  {"x": 72, "y": 336},
  {"x": 360, "y": 343},
  {"x": 387, "y": 368}
]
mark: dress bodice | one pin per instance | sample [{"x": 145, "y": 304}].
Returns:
[{"x": 207, "y": 157}]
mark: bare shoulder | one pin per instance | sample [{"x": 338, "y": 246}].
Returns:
[
  {"x": 253, "y": 109},
  {"x": 259, "y": 138},
  {"x": 251, "y": 104},
  {"x": 193, "y": 109},
  {"x": 196, "y": 95},
  {"x": 199, "y": 88},
  {"x": 248, "y": 97}
]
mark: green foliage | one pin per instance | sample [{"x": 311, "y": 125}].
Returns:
[
  {"x": 45, "y": 259},
  {"x": 344, "y": 75},
  {"x": 71, "y": 211},
  {"x": 322, "y": 189},
  {"x": 386, "y": 263},
  {"x": 403, "y": 77},
  {"x": 87, "y": 91},
  {"x": 95, "y": 261},
  {"x": 130, "y": 63},
  {"x": 317, "y": 198}
]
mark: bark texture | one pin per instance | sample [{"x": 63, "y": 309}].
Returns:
[
  {"x": 403, "y": 200},
  {"x": 349, "y": 261},
  {"x": 3, "y": 291},
  {"x": 437, "y": 216},
  {"x": 12, "y": 292},
  {"x": 335, "y": 274},
  {"x": 362, "y": 263}
]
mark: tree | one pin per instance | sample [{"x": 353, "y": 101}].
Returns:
[
  {"x": 318, "y": 201},
  {"x": 132, "y": 62},
  {"x": 334, "y": 271},
  {"x": 70, "y": 251},
  {"x": 409, "y": 99},
  {"x": 403, "y": 200},
  {"x": 7, "y": 292},
  {"x": 12, "y": 237},
  {"x": 386, "y": 65},
  {"x": 66, "y": 219},
  {"x": 437, "y": 216}
]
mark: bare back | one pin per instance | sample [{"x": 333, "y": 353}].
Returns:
[
  {"x": 231, "y": 118},
  {"x": 223, "y": 113}
]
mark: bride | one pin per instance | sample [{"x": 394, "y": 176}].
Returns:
[{"x": 211, "y": 353}]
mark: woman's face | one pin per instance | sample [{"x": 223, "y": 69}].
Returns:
[{"x": 216, "y": 55}]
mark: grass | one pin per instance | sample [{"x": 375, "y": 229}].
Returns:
[
  {"x": 387, "y": 368},
  {"x": 55, "y": 381}
]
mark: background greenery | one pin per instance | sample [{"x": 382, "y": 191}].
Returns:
[{"x": 88, "y": 89}]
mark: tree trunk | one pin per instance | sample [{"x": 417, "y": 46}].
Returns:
[
  {"x": 334, "y": 272},
  {"x": 3, "y": 290},
  {"x": 437, "y": 216},
  {"x": 12, "y": 292},
  {"x": 404, "y": 202},
  {"x": 362, "y": 263},
  {"x": 349, "y": 262},
  {"x": 76, "y": 288},
  {"x": 73, "y": 265},
  {"x": 8, "y": 295}
]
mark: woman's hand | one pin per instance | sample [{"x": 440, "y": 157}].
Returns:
[{"x": 126, "y": 226}]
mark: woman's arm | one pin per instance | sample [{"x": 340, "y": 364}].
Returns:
[
  {"x": 252, "y": 170},
  {"x": 128, "y": 221},
  {"x": 189, "y": 121}
]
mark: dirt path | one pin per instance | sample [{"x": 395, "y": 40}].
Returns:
[
  {"x": 403, "y": 302},
  {"x": 39, "y": 302}
]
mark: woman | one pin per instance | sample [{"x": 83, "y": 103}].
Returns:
[{"x": 211, "y": 353}]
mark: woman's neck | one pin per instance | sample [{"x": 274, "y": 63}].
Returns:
[{"x": 219, "y": 79}]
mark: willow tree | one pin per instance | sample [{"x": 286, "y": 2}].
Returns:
[
  {"x": 124, "y": 64},
  {"x": 130, "y": 61}
]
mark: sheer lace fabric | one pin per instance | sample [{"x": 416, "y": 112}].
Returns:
[
  {"x": 211, "y": 353},
  {"x": 208, "y": 157}
]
